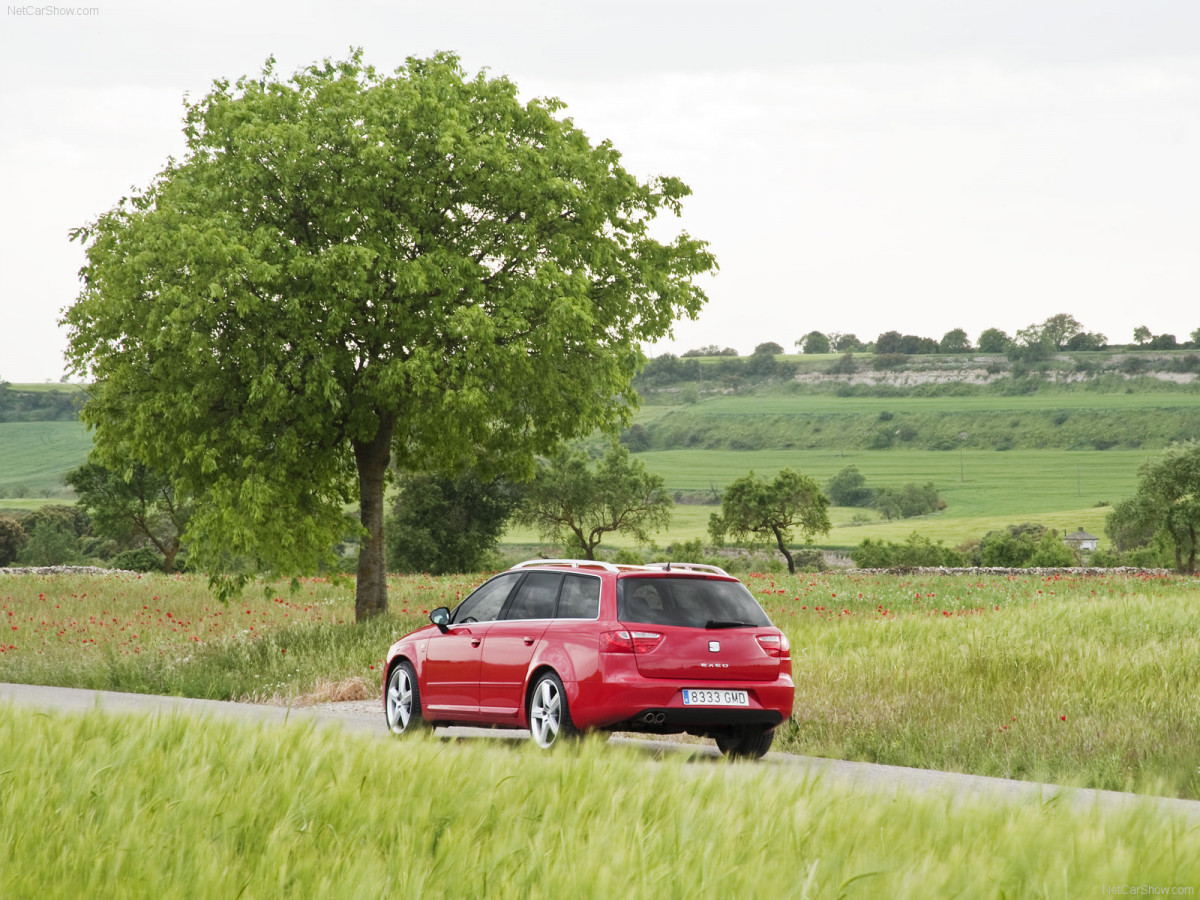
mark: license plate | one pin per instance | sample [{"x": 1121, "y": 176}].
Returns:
[{"x": 713, "y": 697}]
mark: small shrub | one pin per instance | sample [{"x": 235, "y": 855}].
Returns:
[
  {"x": 143, "y": 559},
  {"x": 889, "y": 361},
  {"x": 626, "y": 557}
]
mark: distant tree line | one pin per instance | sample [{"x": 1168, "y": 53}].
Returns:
[
  {"x": 17, "y": 405},
  {"x": 1059, "y": 332}
]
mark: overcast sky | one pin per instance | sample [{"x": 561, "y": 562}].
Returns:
[{"x": 916, "y": 165}]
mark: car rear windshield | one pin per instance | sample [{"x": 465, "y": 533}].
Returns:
[{"x": 689, "y": 601}]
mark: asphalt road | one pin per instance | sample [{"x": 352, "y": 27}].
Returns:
[{"x": 366, "y": 717}]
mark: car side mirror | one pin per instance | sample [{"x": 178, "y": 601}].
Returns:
[{"x": 441, "y": 618}]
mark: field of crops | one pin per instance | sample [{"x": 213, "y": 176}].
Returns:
[
  {"x": 172, "y": 807},
  {"x": 34, "y": 456},
  {"x": 1083, "y": 681}
]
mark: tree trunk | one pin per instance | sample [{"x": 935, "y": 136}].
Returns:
[
  {"x": 783, "y": 549},
  {"x": 372, "y": 458}
]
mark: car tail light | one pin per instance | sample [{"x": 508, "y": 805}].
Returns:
[
  {"x": 775, "y": 644},
  {"x": 629, "y": 641}
]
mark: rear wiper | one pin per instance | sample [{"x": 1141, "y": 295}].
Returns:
[{"x": 716, "y": 623}]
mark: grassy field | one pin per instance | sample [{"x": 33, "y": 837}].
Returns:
[
  {"x": 983, "y": 490},
  {"x": 173, "y": 807},
  {"x": 1082, "y": 681},
  {"x": 35, "y": 455},
  {"x": 68, "y": 387}
]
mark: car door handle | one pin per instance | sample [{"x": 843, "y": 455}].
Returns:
[
  {"x": 529, "y": 641},
  {"x": 475, "y": 642}
]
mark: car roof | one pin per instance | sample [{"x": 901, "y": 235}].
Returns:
[{"x": 621, "y": 569}]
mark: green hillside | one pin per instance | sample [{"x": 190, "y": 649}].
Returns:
[
  {"x": 34, "y": 456},
  {"x": 1045, "y": 420}
]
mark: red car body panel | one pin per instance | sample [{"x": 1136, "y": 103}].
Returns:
[{"x": 482, "y": 672}]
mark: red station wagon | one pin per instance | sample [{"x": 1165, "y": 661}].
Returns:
[{"x": 566, "y": 646}]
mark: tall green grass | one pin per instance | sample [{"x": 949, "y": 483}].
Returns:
[
  {"x": 1085, "y": 681},
  {"x": 174, "y": 807}
]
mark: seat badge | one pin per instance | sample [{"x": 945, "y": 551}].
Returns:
[{"x": 714, "y": 646}]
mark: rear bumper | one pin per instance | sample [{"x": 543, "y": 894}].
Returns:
[{"x": 656, "y": 706}]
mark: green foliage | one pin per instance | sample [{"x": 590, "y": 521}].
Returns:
[
  {"x": 1051, "y": 552},
  {"x": 769, "y": 347},
  {"x": 13, "y": 539},
  {"x": 1167, "y": 500},
  {"x": 761, "y": 365},
  {"x": 954, "y": 341},
  {"x": 993, "y": 340},
  {"x": 348, "y": 270},
  {"x": 849, "y": 488},
  {"x": 887, "y": 361},
  {"x": 442, "y": 525},
  {"x": 71, "y": 519},
  {"x": 814, "y": 342},
  {"x": 843, "y": 365},
  {"x": 668, "y": 369},
  {"x": 1012, "y": 547},
  {"x": 916, "y": 550},
  {"x": 23, "y": 405},
  {"x": 1058, "y": 329},
  {"x": 756, "y": 509},
  {"x": 571, "y": 503},
  {"x": 1087, "y": 340},
  {"x": 626, "y": 557},
  {"x": 636, "y": 437},
  {"x": 908, "y": 500},
  {"x": 52, "y": 542},
  {"x": 132, "y": 508},
  {"x": 143, "y": 559}
]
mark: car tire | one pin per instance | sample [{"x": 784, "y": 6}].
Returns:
[
  {"x": 746, "y": 743},
  {"x": 402, "y": 700},
  {"x": 549, "y": 715}
]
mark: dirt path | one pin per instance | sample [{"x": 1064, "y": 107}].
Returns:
[{"x": 366, "y": 717}]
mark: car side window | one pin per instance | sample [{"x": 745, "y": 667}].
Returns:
[
  {"x": 485, "y": 603},
  {"x": 536, "y": 596},
  {"x": 580, "y": 598}
]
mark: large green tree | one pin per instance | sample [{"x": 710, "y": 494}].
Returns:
[
  {"x": 572, "y": 503},
  {"x": 348, "y": 271},
  {"x": 1166, "y": 502},
  {"x": 758, "y": 509}
]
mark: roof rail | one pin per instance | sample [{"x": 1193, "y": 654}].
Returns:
[
  {"x": 687, "y": 566},
  {"x": 574, "y": 563}
]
